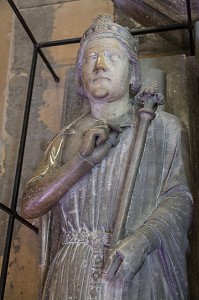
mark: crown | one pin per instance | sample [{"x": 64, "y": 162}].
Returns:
[{"x": 103, "y": 26}]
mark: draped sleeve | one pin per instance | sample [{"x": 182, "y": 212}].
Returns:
[{"x": 171, "y": 219}]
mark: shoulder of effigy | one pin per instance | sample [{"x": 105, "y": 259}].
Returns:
[
  {"x": 168, "y": 120},
  {"x": 72, "y": 127},
  {"x": 67, "y": 131}
]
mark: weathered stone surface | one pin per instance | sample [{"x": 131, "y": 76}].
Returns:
[
  {"x": 37, "y": 19},
  {"x": 176, "y": 97},
  {"x": 74, "y": 105},
  {"x": 5, "y": 38},
  {"x": 39, "y": 3},
  {"x": 3, "y": 224},
  {"x": 23, "y": 275}
]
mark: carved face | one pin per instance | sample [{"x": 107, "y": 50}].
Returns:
[{"x": 105, "y": 70}]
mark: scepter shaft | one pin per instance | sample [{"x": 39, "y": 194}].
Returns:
[
  {"x": 150, "y": 98},
  {"x": 130, "y": 181}
]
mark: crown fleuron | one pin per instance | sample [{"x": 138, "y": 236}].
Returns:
[
  {"x": 102, "y": 18},
  {"x": 103, "y": 26}
]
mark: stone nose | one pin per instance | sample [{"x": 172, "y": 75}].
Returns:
[{"x": 100, "y": 62}]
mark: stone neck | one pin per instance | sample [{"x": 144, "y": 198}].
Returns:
[
  {"x": 110, "y": 110},
  {"x": 123, "y": 120}
]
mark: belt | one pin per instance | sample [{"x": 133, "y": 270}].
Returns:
[
  {"x": 89, "y": 237},
  {"x": 98, "y": 240}
]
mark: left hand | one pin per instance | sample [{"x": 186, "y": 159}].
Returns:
[{"x": 127, "y": 257}]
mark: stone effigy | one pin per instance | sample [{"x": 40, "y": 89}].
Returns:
[{"x": 120, "y": 177}]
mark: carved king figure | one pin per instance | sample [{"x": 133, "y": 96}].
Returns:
[{"x": 84, "y": 173}]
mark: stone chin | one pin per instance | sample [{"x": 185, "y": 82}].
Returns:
[{"x": 99, "y": 93}]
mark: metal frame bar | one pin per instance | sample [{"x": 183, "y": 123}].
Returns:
[{"x": 37, "y": 50}]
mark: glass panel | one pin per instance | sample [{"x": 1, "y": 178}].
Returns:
[{"x": 22, "y": 279}]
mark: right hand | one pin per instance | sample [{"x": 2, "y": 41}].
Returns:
[
  {"x": 127, "y": 257},
  {"x": 98, "y": 140}
]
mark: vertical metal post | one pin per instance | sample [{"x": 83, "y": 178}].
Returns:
[{"x": 17, "y": 176}]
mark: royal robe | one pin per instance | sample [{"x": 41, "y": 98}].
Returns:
[{"x": 161, "y": 202}]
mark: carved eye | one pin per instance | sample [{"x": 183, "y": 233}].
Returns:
[
  {"x": 90, "y": 58},
  {"x": 113, "y": 56}
]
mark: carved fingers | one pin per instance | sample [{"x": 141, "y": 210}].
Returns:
[
  {"x": 118, "y": 267},
  {"x": 126, "y": 259},
  {"x": 92, "y": 138},
  {"x": 98, "y": 140},
  {"x": 101, "y": 151},
  {"x": 113, "y": 263}
]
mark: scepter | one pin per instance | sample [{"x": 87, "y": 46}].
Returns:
[{"x": 150, "y": 98}]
